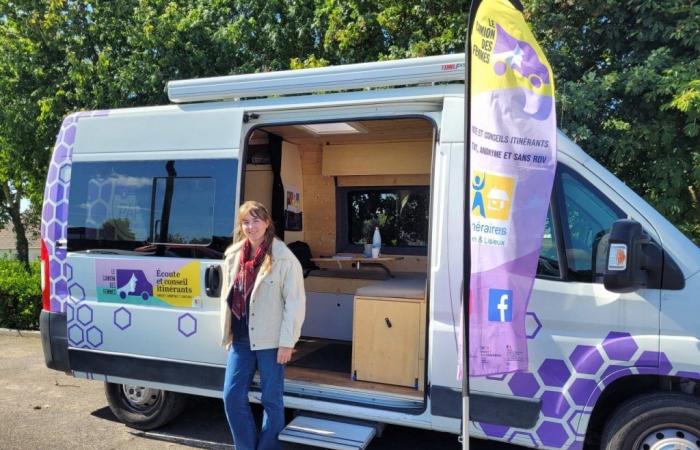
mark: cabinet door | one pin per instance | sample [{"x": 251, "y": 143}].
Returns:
[{"x": 385, "y": 344}]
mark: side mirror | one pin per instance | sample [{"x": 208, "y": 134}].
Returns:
[{"x": 633, "y": 260}]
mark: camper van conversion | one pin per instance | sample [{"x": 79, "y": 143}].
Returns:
[{"x": 139, "y": 208}]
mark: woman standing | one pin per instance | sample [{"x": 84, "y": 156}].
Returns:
[{"x": 260, "y": 322}]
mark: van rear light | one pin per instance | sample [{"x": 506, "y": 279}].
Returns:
[{"x": 45, "y": 282}]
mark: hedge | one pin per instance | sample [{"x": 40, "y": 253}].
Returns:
[{"x": 20, "y": 295}]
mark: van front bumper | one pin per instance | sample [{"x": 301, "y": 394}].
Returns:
[{"x": 54, "y": 340}]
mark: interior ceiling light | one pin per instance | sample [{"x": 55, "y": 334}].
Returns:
[{"x": 333, "y": 128}]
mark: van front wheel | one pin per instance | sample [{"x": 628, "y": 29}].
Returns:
[
  {"x": 141, "y": 407},
  {"x": 654, "y": 421}
]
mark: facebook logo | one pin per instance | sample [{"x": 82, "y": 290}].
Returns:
[{"x": 500, "y": 305}]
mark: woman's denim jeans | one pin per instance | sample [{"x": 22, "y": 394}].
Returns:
[{"x": 240, "y": 368}]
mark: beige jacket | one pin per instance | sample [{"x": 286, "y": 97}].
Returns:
[{"x": 277, "y": 302}]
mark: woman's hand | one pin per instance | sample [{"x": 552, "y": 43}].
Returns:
[{"x": 284, "y": 354}]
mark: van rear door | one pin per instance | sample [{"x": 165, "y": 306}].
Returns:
[{"x": 150, "y": 195}]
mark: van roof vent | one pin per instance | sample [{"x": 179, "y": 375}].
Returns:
[{"x": 402, "y": 72}]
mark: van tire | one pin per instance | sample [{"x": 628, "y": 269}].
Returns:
[
  {"x": 160, "y": 408},
  {"x": 652, "y": 418}
]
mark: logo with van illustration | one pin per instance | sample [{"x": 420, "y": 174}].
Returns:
[
  {"x": 133, "y": 282},
  {"x": 511, "y": 53},
  {"x": 492, "y": 195},
  {"x": 533, "y": 91}
]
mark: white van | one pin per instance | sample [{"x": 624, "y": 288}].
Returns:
[{"x": 140, "y": 205}]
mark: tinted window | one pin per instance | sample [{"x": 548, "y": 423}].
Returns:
[
  {"x": 587, "y": 217},
  {"x": 548, "y": 264},
  {"x": 187, "y": 206},
  {"x": 400, "y": 213}
]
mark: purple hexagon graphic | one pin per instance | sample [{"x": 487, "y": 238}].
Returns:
[
  {"x": 552, "y": 434},
  {"x": 48, "y": 212},
  {"x": 55, "y": 229},
  {"x": 187, "y": 324},
  {"x": 68, "y": 271},
  {"x": 554, "y": 372},
  {"x": 586, "y": 359},
  {"x": 524, "y": 438},
  {"x": 499, "y": 377},
  {"x": 62, "y": 209},
  {"x": 94, "y": 336},
  {"x": 532, "y": 325},
  {"x": 554, "y": 404},
  {"x": 492, "y": 430},
  {"x": 613, "y": 372},
  {"x": 648, "y": 359},
  {"x": 77, "y": 292},
  {"x": 582, "y": 389},
  {"x": 69, "y": 135},
  {"x": 686, "y": 374},
  {"x": 55, "y": 269},
  {"x": 84, "y": 314},
  {"x": 75, "y": 334},
  {"x": 576, "y": 445},
  {"x": 524, "y": 384},
  {"x": 574, "y": 422},
  {"x": 52, "y": 175},
  {"x": 619, "y": 346},
  {"x": 61, "y": 288},
  {"x": 57, "y": 192},
  {"x": 122, "y": 318},
  {"x": 665, "y": 366}
]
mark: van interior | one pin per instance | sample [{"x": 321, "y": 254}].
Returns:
[{"x": 329, "y": 187}]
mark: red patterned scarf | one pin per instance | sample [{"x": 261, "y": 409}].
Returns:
[{"x": 245, "y": 279}]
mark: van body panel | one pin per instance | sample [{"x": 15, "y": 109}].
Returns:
[
  {"x": 680, "y": 328},
  {"x": 581, "y": 337},
  {"x": 447, "y": 241},
  {"x": 137, "y": 326},
  {"x": 183, "y": 130}
]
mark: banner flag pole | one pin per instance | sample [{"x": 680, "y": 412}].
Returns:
[{"x": 510, "y": 161}]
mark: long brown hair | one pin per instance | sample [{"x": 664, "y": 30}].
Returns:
[{"x": 256, "y": 209}]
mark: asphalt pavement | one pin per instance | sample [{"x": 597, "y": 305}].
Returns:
[{"x": 42, "y": 409}]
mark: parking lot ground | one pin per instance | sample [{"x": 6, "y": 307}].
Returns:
[{"x": 42, "y": 409}]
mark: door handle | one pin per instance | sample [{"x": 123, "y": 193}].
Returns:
[{"x": 212, "y": 281}]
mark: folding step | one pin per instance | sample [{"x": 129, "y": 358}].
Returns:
[{"x": 329, "y": 432}]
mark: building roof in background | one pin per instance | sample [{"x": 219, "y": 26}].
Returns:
[{"x": 7, "y": 238}]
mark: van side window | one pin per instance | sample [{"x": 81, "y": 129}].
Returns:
[
  {"x": 587, "y": 217},
  {"x": 401, "y": 213},
  {"x": 548, "y": 264},
  {"x": 161, "y": 208}
]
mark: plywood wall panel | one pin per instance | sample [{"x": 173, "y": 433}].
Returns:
[
  {"x": 384, "y": 180},
  {"x": 399, "y": 158},
  {"x": 319, "y": 202}
]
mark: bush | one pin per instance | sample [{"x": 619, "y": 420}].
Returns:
[{"x": 20, "y": 295}]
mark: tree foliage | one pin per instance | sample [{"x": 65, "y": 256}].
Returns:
[
  {"x": 628, "y": 81},
  {"x": 627, "y": 72}
]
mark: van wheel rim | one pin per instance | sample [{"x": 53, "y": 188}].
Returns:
[
  {"x": 141, "y": 398},
  {"x": 671, "y": 438}
]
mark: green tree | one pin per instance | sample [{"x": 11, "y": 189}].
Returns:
[{"x": 628, "y": 82}]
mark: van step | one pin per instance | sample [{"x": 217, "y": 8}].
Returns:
[{"x": 329, "y": 432}]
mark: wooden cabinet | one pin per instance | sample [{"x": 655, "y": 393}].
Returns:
[{"x": 388, "y": 340}]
